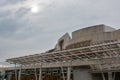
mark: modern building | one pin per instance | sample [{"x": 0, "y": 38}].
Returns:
[{"x": 92, "y": 53}]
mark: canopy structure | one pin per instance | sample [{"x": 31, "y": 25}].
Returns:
[{"x": 92, "y": 52}]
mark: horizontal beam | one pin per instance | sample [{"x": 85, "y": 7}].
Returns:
[
  {"x": 71, "y": 63},
  {"x": 65, "y": 57}
]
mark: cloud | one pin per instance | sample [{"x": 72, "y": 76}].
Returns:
[{"x": 21, "y": 12}]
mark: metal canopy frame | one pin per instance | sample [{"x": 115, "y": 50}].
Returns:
[{"x": 92, "y": 52}]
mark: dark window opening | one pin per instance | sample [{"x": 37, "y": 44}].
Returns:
[{"x": 61, "y": 43}]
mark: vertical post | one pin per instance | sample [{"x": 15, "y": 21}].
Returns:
[
  {"x": 109, "y": 75},
  {"x": 19, "y": 77},
  {"x": 62, "y": 73},
  {"x": 103, "y": 76},
  {"x": 40, "y": 72},
  {"x": 15, "y": 72},
  {"x": 68, "y": 73},
  {"x": 114, "y": 75},
  {"x": 35, "y": 74}
]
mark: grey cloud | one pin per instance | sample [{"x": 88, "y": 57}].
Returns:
[
  {"x": 9, "y": 2},
  {"x": 22, "y": 12},
  {"x": 7, "y": 25},
  {"x": 11, "y": 22},
  {"x": 14, "y": 1},
  {"x": 13, "y": 28},
  {"x": 4, "y": 14}
]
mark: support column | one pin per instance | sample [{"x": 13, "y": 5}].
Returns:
[
  {"x": 68, "y": 73},
  {"x": 109, "y": 75},
  {"x": 19, "y": 77},
  {"x": 40, "y": 72},
  {"x": 103, "y": 76},
  {"x": 35, "y": 74},
  {"x": 114, "y": 75},
  {"x": 62, "y": 73},
  {"x": 15, "y": 72}
]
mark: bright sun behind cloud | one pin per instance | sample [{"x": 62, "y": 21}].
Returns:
[{"x": 35, "y": 9}]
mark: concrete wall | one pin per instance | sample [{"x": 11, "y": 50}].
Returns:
[
  {"x": 88, "y": 33},
  {"x": 81, "y": 74},
  {"x": 116, "y": 34},
  {"x": 96, "y": 34},
  {"x": 108, "y": 36},
  {"x": 108, "y": 29}
]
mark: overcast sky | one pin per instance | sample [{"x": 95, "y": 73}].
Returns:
[{"x": 24, "y": 32}]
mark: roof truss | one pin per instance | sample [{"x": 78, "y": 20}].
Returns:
[{"x": 98, "y": 51}]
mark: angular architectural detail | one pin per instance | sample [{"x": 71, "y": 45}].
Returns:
[{"x": 63, "y": 42}]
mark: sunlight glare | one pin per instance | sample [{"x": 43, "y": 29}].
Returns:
[{"x": 35, "y": 9}]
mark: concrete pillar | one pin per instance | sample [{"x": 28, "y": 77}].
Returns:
[
  {"x": 15, "y": 72},
  {"x": 68, "y": 73},
  {"x": 82, "y": 74},
  {"x": 40, "y": 72},
  {"x": 19, "y": 77},
  {"x": 109, "y": 75},
  {"x": 103, "y": 75},
  {"x": 35, "y": 73},
  {"x": 62, "y": 73}
]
